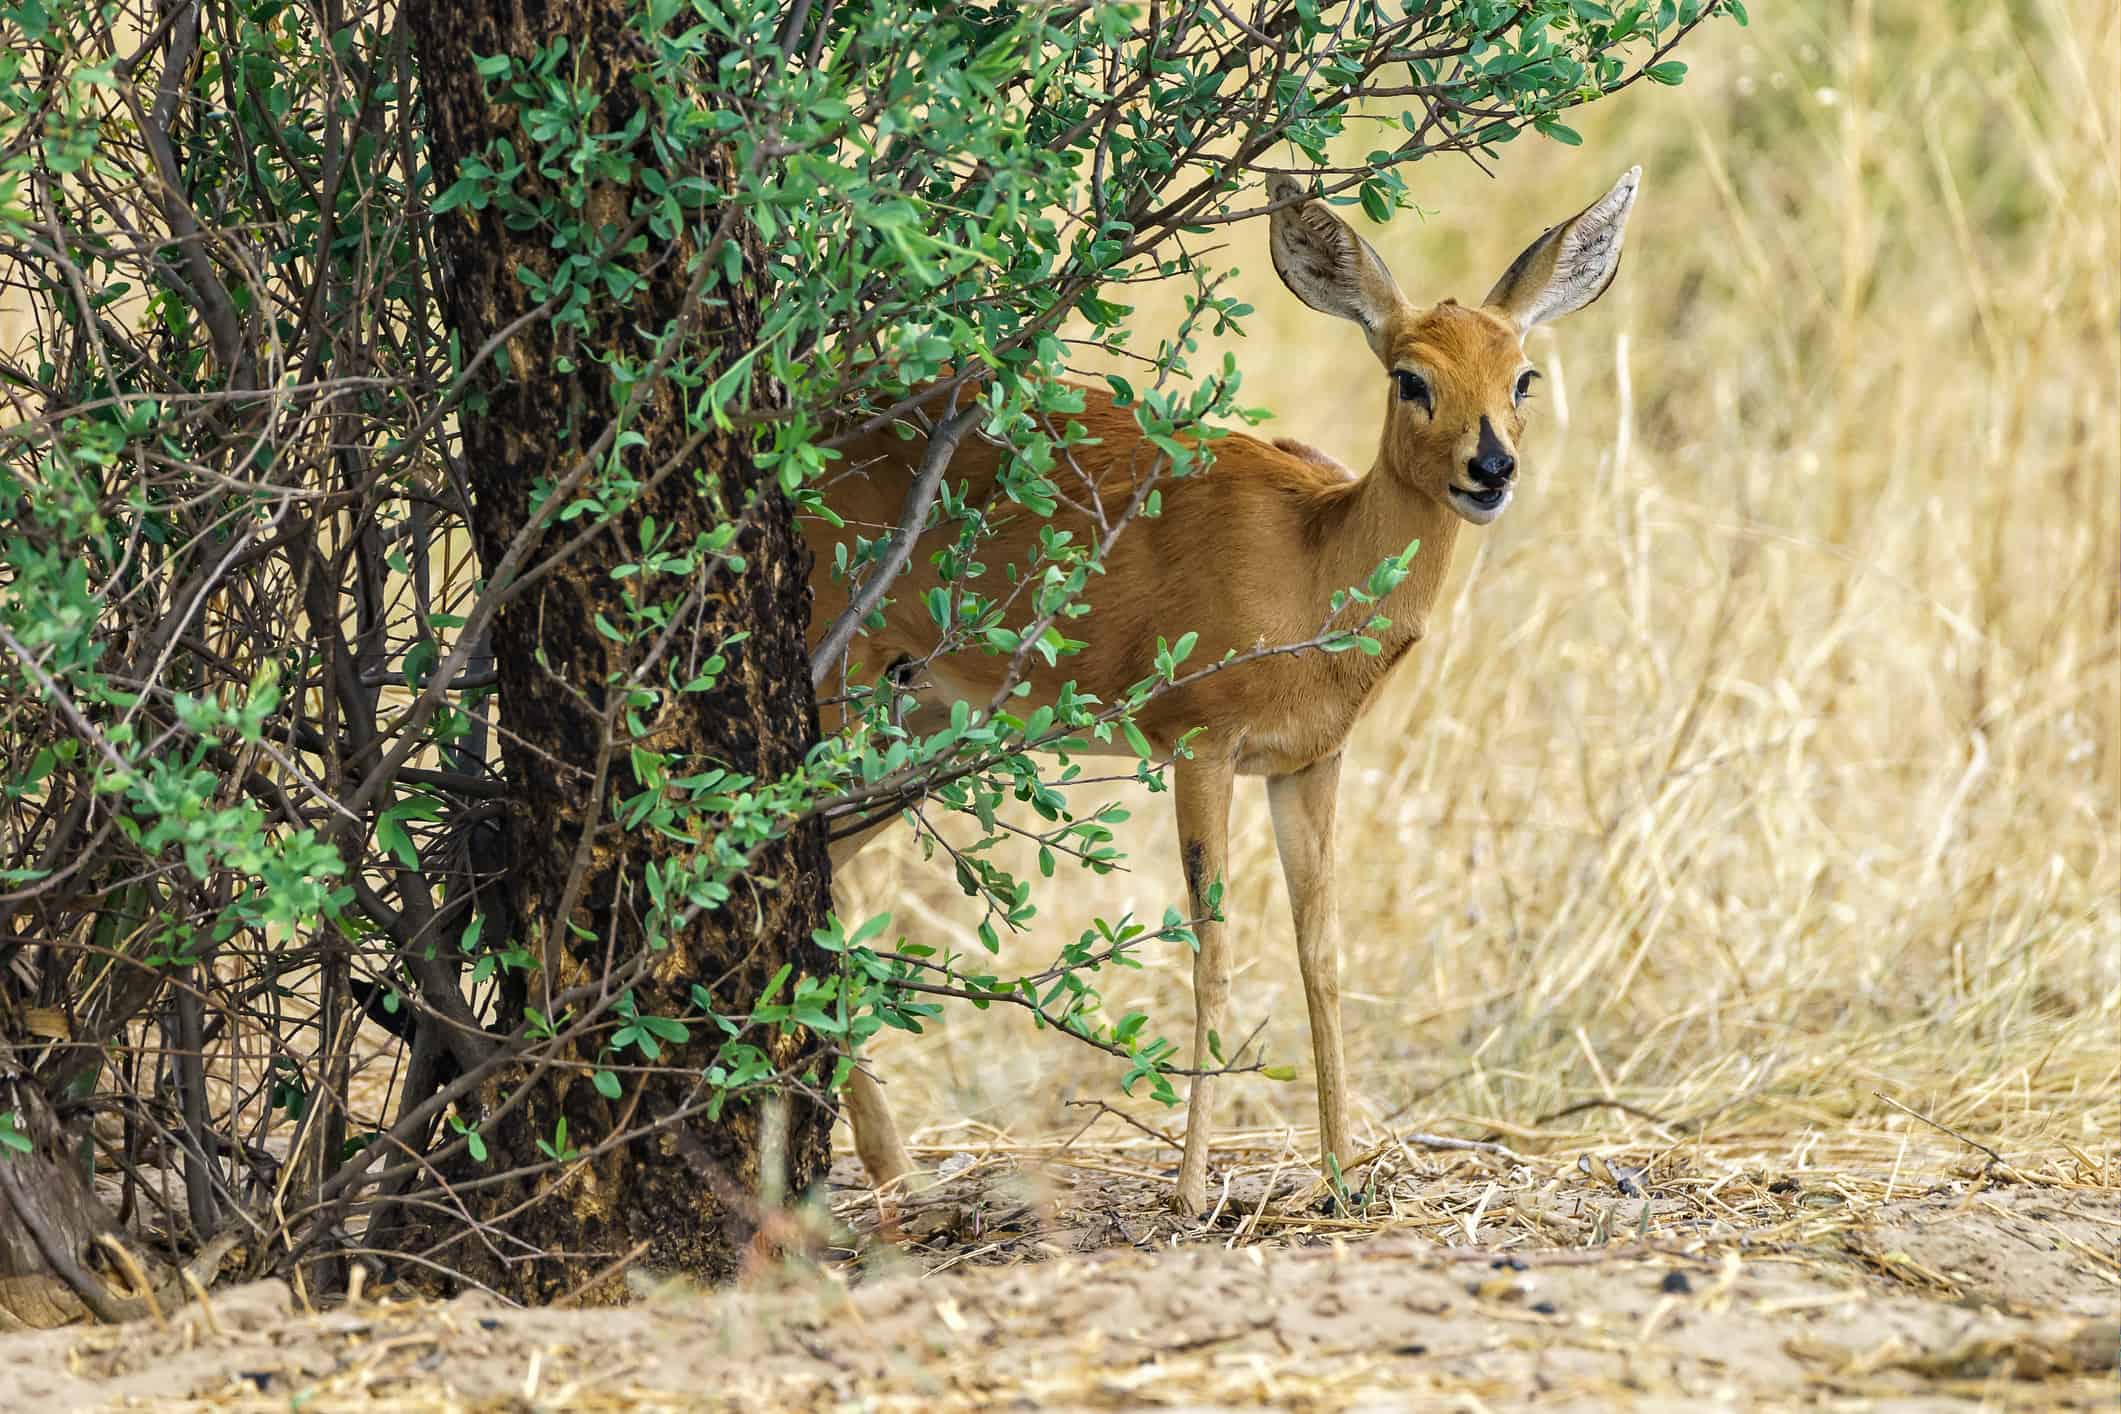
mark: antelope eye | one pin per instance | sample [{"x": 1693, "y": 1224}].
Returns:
[
  {"x": 1524, "y": 384},
  {"x": 1412, "y": 389}
]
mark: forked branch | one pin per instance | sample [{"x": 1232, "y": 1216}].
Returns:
[{"x": 942, "y": 447}]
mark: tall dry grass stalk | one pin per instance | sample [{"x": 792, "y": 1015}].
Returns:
[{"x": 1769, "y": 753}]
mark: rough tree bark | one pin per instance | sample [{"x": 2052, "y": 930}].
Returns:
[
  {"x": 46, "y": 1212},
  {"x": 62, "y": 1257},
  {"x": 57, "y": 1237},
  {"x": 683, "y": 1189}
]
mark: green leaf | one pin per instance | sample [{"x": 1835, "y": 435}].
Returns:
[
  {"x": 869, "y": 929},
  {"x": 420, "y": 662},
  {"x": 666, "y": 1029},
  {"x": 1560, "y": 132},
  {"x": 392, "y": 837}
]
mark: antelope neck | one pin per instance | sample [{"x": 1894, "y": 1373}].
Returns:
[{"x": 1381, "y": 515}]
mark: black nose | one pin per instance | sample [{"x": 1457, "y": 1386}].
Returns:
[
  {"x": 1491, "y": 465},
  {"x": 1492, "y": 469}
]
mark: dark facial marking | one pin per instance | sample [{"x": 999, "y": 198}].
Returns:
[{"x": 1492, "y": 465}]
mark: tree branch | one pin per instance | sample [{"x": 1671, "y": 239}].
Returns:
[{"x": 913, "y": 517}]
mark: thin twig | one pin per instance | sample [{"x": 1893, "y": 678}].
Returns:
[
  {"x": 1470, "y": 1146},
  {"x": 1995, "y": 1159},
  {"x": 1106, "y": 1109},
  {"x": 603, "y": 1274},
  {"x": 1623, "y": 1106},
  {"x": 913, "y": 518}
]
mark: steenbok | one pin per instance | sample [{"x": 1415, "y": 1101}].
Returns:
[{"x": 1249, "y": 553}]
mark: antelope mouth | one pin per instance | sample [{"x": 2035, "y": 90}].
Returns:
[{"x": 1479, "y": 505}]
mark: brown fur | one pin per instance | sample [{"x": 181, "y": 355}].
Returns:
[
  {"x": 1304, "y": 451},
  {"x": 1217, "y": 561},
  {"x": 1249, "y": 553}
]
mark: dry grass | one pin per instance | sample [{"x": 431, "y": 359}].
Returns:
[{"x": 1768, "y": 757}]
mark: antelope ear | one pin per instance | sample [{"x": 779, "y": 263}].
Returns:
[
  {"x": 1570, "y": 264},
  {"x": 1326, "y": 265}
]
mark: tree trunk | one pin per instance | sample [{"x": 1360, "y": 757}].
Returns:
[
  {"x": 62, "y": 1258},
  {"x": 48, "y": 1216},
  {"x": 686, "y": 1189}
]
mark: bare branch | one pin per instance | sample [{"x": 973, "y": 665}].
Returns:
[{"x": 913, "y": 518}]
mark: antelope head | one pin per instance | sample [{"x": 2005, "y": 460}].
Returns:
[{"x": 1457, "y": 375}]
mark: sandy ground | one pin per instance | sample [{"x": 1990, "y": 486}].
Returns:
[{"x": 1027, "y": 1283}]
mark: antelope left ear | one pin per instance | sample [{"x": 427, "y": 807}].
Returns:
[{"x": 1570, "y": 264}]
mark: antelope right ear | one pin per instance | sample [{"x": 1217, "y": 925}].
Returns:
[
  {"x": 1570, "y": 264},
  {"x": 1326, "y": 265}
]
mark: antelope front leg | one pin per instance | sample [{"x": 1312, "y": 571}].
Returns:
[
  {"x": 1302, "y": 805},
  {"x": 876, "y": 1137},
  {"x": 1203, "y": 789}
]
